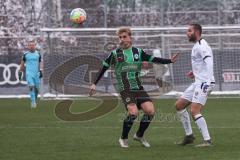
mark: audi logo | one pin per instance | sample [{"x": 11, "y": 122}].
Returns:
[{"x": 6, "y": 75}]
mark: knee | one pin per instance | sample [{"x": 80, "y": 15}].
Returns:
[
  {"x": 181, "y": 104},
  {"x": 178, "y": 106},
  {"x": 132, "y": 109},
  {"x": 195, "y": 109},
  {"x": 194, "y": 112},
  {"x": 149, "y": 109}
]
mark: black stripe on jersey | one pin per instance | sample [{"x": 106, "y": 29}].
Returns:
[
  {"x": 135, "y": 54},
  {"x": 202, "y": 85},
  {"x": 136, "y": 57},
  {"x": 120, "y": 55},
  {"x": 138, "y": 80},
  {"x": 125, "y": 81},
  {"x": 200, "y": 41},
  {"x": 120, "y": 58},
  {"x": 206, "y": 57}
]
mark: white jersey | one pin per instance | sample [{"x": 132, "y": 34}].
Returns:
[{"x": 202, "y": 62}]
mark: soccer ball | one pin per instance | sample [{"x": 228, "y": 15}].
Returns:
[{"x": 78, "y": 15}]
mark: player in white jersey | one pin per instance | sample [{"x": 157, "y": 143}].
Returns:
[{"x": 196, "y": 94}]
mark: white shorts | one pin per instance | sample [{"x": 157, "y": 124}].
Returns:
[{"x": 195, "y": 94}]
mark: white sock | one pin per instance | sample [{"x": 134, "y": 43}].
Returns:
[
  {"x": 185, "y": 119},
  {"x": 202, "y": 125}
]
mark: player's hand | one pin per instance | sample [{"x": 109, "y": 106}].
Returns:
[
  {"x": 190, "y": 74},
  {"x": 145, "y": 65},
  {"x": 20, "y": 75},
  {"x": 92, "y": 90},
  {"x": 40, "y": 74},
  {"x": 174, "y": 58}
]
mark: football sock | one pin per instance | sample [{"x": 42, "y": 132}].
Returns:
[
  {"x": 32, "y": 94},
  {"x": 145, "y": 122},
  {"x": 202, "y": 125},
  {"x": 36, "y": 92},
  {"x": 185, "y": 119},
  {"x": 127, "y": 125}
]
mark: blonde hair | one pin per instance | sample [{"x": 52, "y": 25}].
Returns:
[{"x": 124, "y": 29}]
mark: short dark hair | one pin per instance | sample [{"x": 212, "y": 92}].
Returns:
[{"x": 197, "y": 27}]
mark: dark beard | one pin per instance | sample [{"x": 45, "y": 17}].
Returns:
[{"x": 192, "y": 39}]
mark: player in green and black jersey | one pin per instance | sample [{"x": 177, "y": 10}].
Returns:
[{"x": 127, "y": 63}]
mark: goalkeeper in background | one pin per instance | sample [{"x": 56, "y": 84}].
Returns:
[
  {"x": 32, "y": 62},
  {"x": 127, "y": 61}
]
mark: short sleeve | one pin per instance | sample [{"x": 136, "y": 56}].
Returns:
[
  {"x": 204, "y": 50},
  {"x": 40, "y": 57},
  {"x": 24, "y": 57}
]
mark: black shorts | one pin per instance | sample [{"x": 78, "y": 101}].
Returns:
[{"x": 134, "y": 96}]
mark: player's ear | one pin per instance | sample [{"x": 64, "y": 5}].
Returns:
[{"x": 197, "y": 32}]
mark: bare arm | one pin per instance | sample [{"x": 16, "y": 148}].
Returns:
[
  {"x": 41, "y": 65},
  {"x": 22, "y": 66}
]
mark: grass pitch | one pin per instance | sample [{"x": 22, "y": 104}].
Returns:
[{"x": 38, "y": 134}]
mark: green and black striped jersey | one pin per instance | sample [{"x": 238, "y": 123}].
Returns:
[{"x": 127, "y": 65}]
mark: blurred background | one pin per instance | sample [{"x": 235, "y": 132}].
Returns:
[{"x": 24, "y": 19}]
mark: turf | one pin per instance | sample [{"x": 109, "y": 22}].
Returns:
[{"x": 39, "y": 134}]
